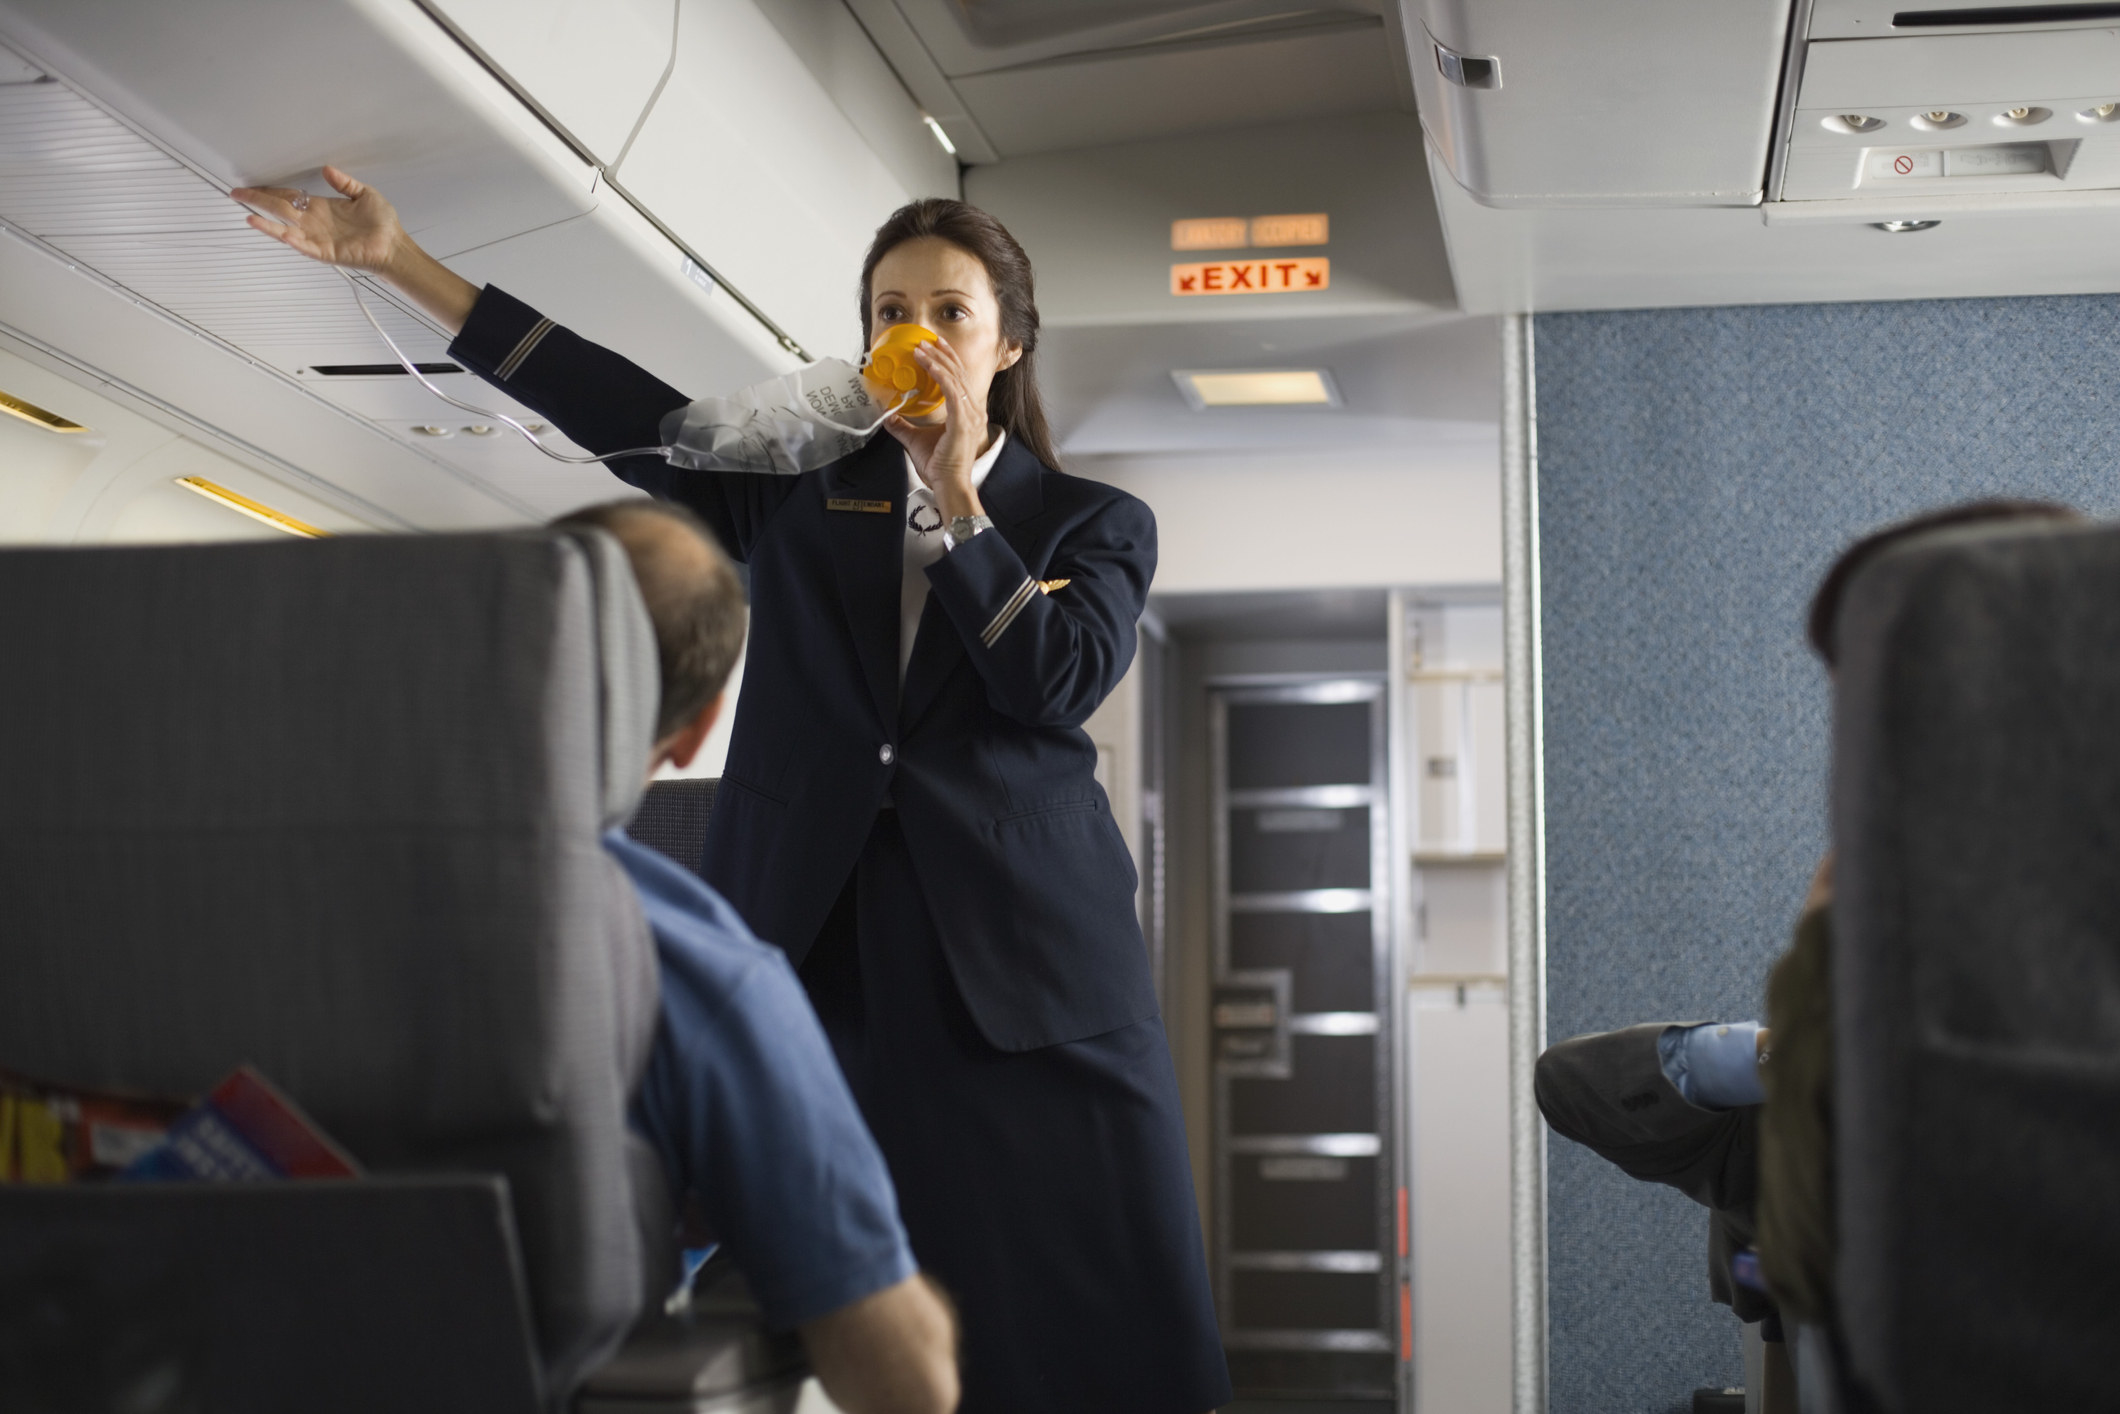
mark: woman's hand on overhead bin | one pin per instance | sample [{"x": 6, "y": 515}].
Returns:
[{"x": 359, "y": 230}]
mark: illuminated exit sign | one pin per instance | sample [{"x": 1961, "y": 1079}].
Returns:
[{"x": 1252, "y": 277}]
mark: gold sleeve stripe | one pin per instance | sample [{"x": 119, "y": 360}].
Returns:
[
  {"x": 523, "y": 350},
  {"x": 1008, "y": 613}
]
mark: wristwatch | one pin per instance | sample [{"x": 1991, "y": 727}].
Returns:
[{"x": 963, "y": 528}]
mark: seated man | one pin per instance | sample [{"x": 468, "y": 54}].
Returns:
[{"x": 742, "y": 1097}]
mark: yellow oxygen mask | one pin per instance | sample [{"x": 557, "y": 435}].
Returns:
[{"x": 891, "y": 366}]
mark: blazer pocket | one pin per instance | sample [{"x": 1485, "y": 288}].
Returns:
[
  {"x": 738, "y": 784},
  {"x": 1065, "y": 807},
  {"x": 1073, "y": 849},
  {"x": 747, "y": 830}
]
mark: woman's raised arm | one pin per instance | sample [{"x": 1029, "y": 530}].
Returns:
[{"x": 360, "y": 232}]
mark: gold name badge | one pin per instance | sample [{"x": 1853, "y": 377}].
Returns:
[{"x": 841, "y": 503}]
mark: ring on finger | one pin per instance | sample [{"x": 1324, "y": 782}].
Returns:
[{"x": 299, "y": 201}]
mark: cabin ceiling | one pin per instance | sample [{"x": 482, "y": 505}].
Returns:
[
  {"x": 693, "y": 181},
  {"x": 1103, "y": 123},
  {"x": 1010, "y": 78}
]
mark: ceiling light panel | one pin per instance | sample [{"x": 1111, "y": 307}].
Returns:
[
  {"x": 257, "y": 510},
  {"x": 29, "y": 412},
  {"x": 1256, "y": 387}
]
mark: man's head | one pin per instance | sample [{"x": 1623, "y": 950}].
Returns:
[
  {"x": 1825, "y": 604},
  {"x": 696, "y": 603}
]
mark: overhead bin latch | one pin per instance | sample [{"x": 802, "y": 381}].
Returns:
[{"x": 1468, "y": 71}]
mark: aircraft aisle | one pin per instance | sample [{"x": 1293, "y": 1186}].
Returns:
[{"x": 1502, "y": 377}]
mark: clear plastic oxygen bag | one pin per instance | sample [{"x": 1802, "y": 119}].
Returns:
[{"x": 788, "y": 425}]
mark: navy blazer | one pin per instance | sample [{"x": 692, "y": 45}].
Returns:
[{"x": 983, "y": 753}]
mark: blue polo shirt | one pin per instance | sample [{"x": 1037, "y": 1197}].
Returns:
[{"x": 746, "y": 1105}]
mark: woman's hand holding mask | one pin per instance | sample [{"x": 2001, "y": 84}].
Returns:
[{"x": 943, "y": 452}]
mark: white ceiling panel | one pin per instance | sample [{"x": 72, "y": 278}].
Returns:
[
  {"x": 1412, "y": 382},
  {"x": 1165, "y": 90},
  {"x": 978, "y": 36}
]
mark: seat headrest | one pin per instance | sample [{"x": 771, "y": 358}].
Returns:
[
  {"x": 1976, "y": 981},
  {"x": 371, "y": 677}
]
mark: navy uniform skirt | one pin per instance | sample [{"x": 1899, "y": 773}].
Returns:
[{"x": 1048, "y": 1191}]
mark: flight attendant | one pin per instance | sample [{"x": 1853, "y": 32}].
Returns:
[{"x": 909, "y": 806}]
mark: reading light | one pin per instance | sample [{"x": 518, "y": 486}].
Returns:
[
  {"x": 243, "y": 505},
  {"x": 1249, "y": 388},
  {"x": 940, "y": 136},
  {"x": 30, "y": 412}
]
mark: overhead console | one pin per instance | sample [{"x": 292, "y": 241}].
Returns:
[
  {"x": 1667, "y": 152},
  {"x": 1927, "y": 111}
]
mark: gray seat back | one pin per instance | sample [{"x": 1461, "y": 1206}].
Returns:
[
  {"x": 334, "y": 809},
  {"x": 672, "y": 819},
  {"x": 1976, "y": 815},
  {"x": 400, "y": 1294}
]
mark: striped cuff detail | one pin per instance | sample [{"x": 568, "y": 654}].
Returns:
[
  {"x": 523, "y": 350},
  {"x": 1007, "y": 616}
]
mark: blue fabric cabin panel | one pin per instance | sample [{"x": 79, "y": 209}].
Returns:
[{"x": 1698, "y": 470}]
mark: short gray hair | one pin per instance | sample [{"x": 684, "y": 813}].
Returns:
[{"x": 694, "y": 599}]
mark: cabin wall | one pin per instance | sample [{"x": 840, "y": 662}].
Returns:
[
  {"x": 1698, "y": 469},
  {"x": 1317, "y": 520}
]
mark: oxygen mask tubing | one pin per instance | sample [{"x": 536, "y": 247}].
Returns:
[
  {"x": 487, "y": 414},
  {"x": 785, "y": 425}
]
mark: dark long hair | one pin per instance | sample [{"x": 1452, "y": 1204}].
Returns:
[{"x": 1013, "y": 400}]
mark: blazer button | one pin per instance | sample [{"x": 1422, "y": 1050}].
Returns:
[{"x": 884, "y": 753}]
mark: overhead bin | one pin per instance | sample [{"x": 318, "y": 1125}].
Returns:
[
  {"x": 253, "y": 90},
  {"x": 1655, "y": 103},
  {"x": 707, "y": 117},
  {"x": 746, "y": 158},
  {"x": 591, "y": 65},
  {"x": 219, "y": 92}
]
